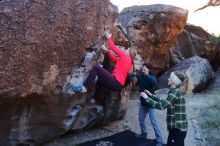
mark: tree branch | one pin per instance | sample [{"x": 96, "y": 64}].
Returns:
[{"x": 213, "y": 3}]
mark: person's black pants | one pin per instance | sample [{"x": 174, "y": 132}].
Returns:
[
  {"x": 176, "y": 137},
  {"x": 105, "y": 78}
]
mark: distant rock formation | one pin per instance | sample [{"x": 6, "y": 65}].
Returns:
[
  {"x": 197, "y": 30},
  {"x": 193, "y": 41}
]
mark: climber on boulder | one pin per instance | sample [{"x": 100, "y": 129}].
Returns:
[{"x": 115, "y": 80}]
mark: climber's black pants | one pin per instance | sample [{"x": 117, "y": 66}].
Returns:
[{"x": 105, "y": 78}]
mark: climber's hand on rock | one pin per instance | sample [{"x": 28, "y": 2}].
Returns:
[
  {"x": 108, "y": 34},
  {"x": 104, "y": 48}
]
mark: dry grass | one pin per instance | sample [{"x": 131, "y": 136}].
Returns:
[{"x": 210, "y": 121}]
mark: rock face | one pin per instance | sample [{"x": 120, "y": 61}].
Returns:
[
  {"x": 115, "y": 104},
  {"x": 44, "y": 43},
  {"x": 90, "y": 115},
  {"x": 193, "y": 41},
  {"x": 36, "y": 119},
  {"x": 218, "y": 49},
  {"x": 197, "y": 70},
  {"x": 186, "y": 46},
  {"x": 217, "y": 57},
  {"x": 197, "y": 30},
  {"x": 152, "y": 30}
]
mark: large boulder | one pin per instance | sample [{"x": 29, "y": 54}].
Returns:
[
  {"x": 45, "y": 43},
  {"x": 37, "y": 119},
  {"x": 193, "y": 41},
  {"x": 216, "y": 47},
  {"x": 152, "y": 30},
  {"x": 186, "y": 46},
  {"x": 42, "y": 41},
  {"x": 196, "y": 70}
]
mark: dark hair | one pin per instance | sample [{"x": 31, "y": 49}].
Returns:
[{"x": 148, "y": 65}]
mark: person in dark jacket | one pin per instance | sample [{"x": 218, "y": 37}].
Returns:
[{"x": 146, "y": 80}]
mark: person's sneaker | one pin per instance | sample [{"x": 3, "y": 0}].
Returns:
[
  {"x": 70, "y": 89},
  {"x": 78, "y": 89},
  {"x": 142, "y": 135}
]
